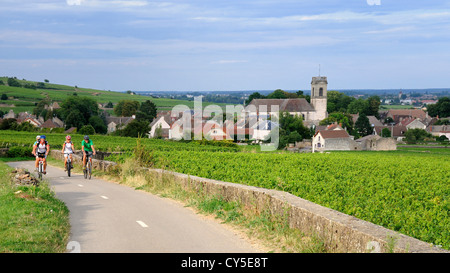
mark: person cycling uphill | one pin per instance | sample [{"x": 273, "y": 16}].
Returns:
[
  {"x": 87, "y": 146},
  {"x": 40, "y": 150},
  {"x": 68, "y": 149}
]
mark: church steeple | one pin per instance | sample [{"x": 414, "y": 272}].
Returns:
[{"x": 319, "y": 96}]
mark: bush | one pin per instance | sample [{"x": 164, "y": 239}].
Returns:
[
  {"x": 19, "y": 151},
  {"x": 414, "y": 135},
  {"x": 87, "y": 130}
]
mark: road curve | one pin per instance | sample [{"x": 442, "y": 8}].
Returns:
[{"x": 107, "y": 217}]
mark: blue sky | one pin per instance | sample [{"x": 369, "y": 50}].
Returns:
[{"x": 227, "y": 45}]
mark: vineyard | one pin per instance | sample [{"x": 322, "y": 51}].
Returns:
[{"x": 408, "y": 192}]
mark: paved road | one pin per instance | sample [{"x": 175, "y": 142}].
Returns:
[{"x": 107, "y": 217}]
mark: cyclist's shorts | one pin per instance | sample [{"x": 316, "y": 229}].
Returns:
[
  {"x": 41, "y": 155},
  {"x": 67, "y": 154}
]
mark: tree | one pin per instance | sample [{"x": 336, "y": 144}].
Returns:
[
  {"x": 386, "y": 132},
  {"x": 147, "y": 111},
  {"x": 14, "y": 82},
  {"x": 8, "y": 124},
  {"x": 291, "y": 129},
  {"x": 76, "y": 111},
  {"x": 4, "y": 97},
  {"x": 414, "y": 135},
  {"x": 135, "y": 129},
  {"x": 359, "y": 106},
  {"x": 98, "y": 124},
  {"x": 373, "y": 106},
  {"x": 87, "y": 130},
  {"x": 40, "y": 109},
  {"x": 362, "y": 125},
  {"x": 277, "y": 94},
  {"x": 341, "y": 118},
  {"x": 441, "y": 108},
  {"x": 338, "y": 102},
  {"x": 255, "y": 95},
  {"x": 126, "y": 108}
]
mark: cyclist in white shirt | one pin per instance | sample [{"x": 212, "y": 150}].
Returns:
[
  {"x": 68, "y": 149},
  {"x": 40, "y": 150}
]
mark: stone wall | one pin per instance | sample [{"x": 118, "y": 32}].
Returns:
[{"x": 339, "y": 232}]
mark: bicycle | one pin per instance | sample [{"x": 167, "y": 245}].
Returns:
[
  {"x": 41, "y": 168},
  {"x": 88, "y": 168},
  {"x": 68, "y": 165}
]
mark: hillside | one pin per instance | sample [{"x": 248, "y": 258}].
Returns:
[{"x": 22, "y": 99}]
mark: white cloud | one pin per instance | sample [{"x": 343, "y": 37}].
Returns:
[{"x": 74, "y": 2}]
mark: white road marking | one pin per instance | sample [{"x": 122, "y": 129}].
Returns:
[
  {"x": 142, "y": 224},
  {"x": 79, "y": 185},
  {"x": 104, "y": 197}
]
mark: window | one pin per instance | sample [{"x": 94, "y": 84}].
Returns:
[{"x": 321, "y": 91}]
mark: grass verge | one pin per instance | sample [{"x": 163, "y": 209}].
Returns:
[{"x": 32, "y": 219}]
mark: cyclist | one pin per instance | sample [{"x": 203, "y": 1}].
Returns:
[
  {"x": 68, "y": 149},
  {"x": 40, "y": 150},
  {"x": 87, "y": 146},
  {"x": 37, "y": 140}
]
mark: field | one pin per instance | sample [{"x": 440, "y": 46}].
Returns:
[
  {"x": 26, "y": 98},
  {"x": 406, "y": 191}
]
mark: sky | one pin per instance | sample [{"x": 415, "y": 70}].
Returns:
[{"x": 209, "y": 45}]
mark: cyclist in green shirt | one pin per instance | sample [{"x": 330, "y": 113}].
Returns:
[{"x": 87, "y": 146}]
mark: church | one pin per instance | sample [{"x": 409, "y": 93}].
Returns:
[{"x": 312, "y": 113}]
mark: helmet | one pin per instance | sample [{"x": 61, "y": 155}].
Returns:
[
  {"x": 38, "y": 137},
  {"x": 68, "y": 137},
  {"x": 43, "y": 137},
  {"x": 86, "y": 137}
]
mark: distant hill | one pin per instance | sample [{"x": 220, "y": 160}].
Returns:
[{"x": 25, "y": 97}]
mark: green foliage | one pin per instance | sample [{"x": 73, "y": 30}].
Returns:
[
  {"x": 19, "y": 152},
  {"x": 441, "y": 108},
  {"x": 76, "y": 111},
  {"x": 87, "y": 130},
  {"x": 147, "y": 111},
  {"x": 126, "y": 108},
  {"x": 98, "y": 124},
  {"x": 135, "y": 129},
  {"x": 338, "y": 102},
  {"x": 14, "y": 82},
  {"x": 386, "y": 132},
  {"x": 363, "y": 126},
  {"x": 4, "y": 97},
  {"x": 359, "y": 106},
  {"x": 341, "y": 118},
  {"x": 291, "y": 130},
  {"x": 415, "y": 135}
]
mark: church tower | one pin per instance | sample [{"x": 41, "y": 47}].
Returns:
[{"x": 319, "y": 97}]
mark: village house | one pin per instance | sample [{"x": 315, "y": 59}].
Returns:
[
  {"x": 397, "y": 131},
  {"x": 332, "y": 140},
  {"x": 160, "y": 126},
  {"x": 439, "y": 130},
  {"x": 116, "y": 123}
]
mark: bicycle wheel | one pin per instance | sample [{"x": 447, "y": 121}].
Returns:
[
  {"x": 90, "y": 169},
  {"x": 40, "y": 170},
  {"x": 69, "y": 167}
]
